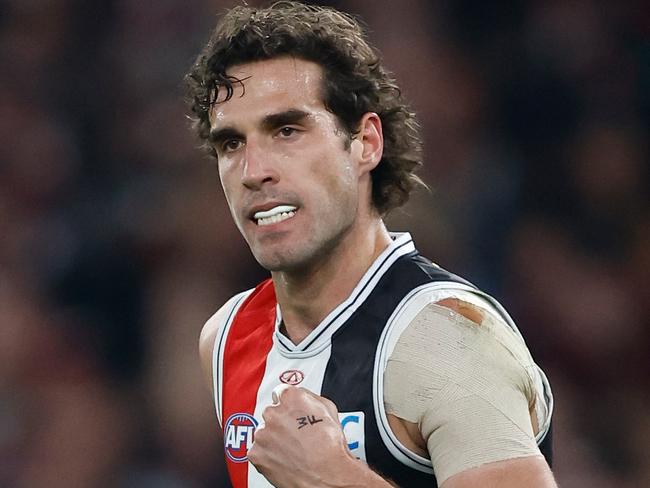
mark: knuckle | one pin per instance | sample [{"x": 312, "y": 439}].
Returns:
[
  {"x": 253, "y": 456},
  {"x": 269, "y": 412},
  {"x": 329, "y": 403},
  {"x": 301, "y": 391},
  {"x": 289, "y": 392},
  {"x": 260, "y": 434},
  {"x": 266, "y": 413},
  {"x": 330, "y": 406},
  {"x": 299, "y": 394}
]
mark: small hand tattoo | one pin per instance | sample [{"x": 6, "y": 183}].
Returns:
[{"x": 308, "y": 420}]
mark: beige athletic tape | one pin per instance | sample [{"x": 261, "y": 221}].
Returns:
[{"x": 469, "y": 387}]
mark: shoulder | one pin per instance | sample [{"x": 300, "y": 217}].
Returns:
[
  {"x": 449, "y": 307},
  {"x": 217, "y": 321},
  {"x": 213, "y": 326},
  {"x": 470, "y": 311},
  {"x": 460, "y": 337}
]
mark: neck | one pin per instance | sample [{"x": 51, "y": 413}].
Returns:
[{"x": 308, "y": 296}]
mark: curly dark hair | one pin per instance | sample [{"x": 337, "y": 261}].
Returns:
[{"x": 354, "y": 81}]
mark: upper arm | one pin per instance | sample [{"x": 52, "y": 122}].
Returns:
[
  {"x": 466, "y": 383},
  {"x": 206, "y": 345},
  {"x": 532, "y": 472},
  {"x": 209, "y": 334}
]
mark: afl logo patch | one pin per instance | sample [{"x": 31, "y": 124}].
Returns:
[
  {"x": 292, "y": 377},
  {"x": 238, "y": 436}
]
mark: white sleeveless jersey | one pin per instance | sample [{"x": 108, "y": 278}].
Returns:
[{"x": 342, "y": 359}]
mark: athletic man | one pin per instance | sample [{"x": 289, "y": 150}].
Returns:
[{"x": 359, "y": 363}]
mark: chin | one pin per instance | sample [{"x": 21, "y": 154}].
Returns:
[
  {"x": 283, "y": 261},
  {"x": 277, "y": 264}
]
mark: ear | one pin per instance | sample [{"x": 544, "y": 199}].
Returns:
[{"x": 368, "y": 144}]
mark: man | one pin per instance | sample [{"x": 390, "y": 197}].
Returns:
[{"x": 359, "y": 363}]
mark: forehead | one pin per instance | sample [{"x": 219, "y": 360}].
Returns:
[{"x": 270, "y": 86}]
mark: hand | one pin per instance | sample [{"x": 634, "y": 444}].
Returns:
[{"x": 300, "y": 442}]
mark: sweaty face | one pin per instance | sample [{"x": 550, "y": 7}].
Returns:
[{"x": 289, "y": 177}]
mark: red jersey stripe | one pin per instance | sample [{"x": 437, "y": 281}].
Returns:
[{"x": 249, "y": 341}]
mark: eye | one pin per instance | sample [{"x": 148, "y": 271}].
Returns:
[
  {"x": 231, "y": 145},
  {"x": 287, "y": 131}
]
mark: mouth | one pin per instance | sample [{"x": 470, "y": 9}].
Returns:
[{"x": 275, "y": 215}]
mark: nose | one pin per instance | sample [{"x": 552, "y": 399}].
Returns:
[{"x": 258, "y": 168}]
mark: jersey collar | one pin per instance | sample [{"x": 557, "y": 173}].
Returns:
[{"x": 320, "y": 337}]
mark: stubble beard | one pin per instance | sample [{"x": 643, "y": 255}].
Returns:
[{"x": 308, "y": 255}]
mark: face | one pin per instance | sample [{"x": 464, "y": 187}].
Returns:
[{"x": 290, "y": 176}]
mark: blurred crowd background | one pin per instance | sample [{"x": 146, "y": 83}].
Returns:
[{"x": 116, "y": 244}]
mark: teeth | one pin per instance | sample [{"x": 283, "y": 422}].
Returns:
[
  {"x": 275, "y": 215},
  {"x": 276, "y": 218}
]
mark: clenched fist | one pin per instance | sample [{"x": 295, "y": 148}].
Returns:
[{"x": 301, "y": 444}]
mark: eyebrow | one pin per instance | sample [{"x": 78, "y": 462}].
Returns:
[
  {"x": 217, "y": 136},
  {"x": 269, "y": 122},
  {"x": 291, "y": 116}
]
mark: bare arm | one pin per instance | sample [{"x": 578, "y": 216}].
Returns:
[
  {"x": 208, "y": 337},
  {"x": 532, "y": 472},
  {"x": 206, "y": 345}
]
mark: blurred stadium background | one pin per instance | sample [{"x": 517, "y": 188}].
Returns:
[{"x": 116, "y": 245}]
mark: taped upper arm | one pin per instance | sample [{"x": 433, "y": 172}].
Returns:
[
  {"x": 477, "y": 315},
  {"x": 468, "y": 386}
]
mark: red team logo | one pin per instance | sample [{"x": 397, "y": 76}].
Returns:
[
  {"x": 238, "y": 434},
  {"x": 292, "y": 377}
]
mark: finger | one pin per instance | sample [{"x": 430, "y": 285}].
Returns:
[
  {"x": 260, "y": 433},
  {"x": 278, "y": 391},
  {"x": 266, "y": 413}
]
